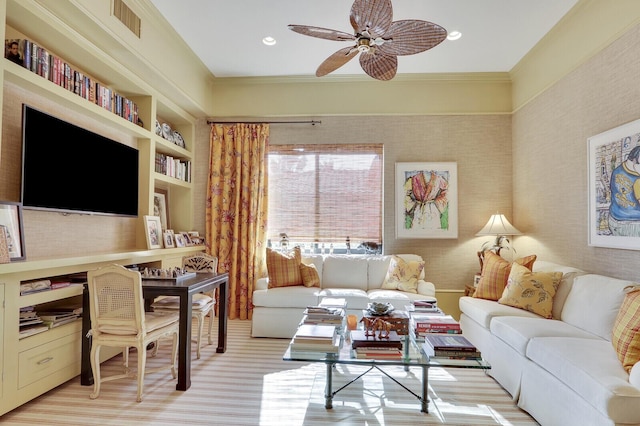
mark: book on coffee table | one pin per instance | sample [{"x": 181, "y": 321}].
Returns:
[
  {"x": 450, "y": 346},
  {"x": 359, "y": 340}
]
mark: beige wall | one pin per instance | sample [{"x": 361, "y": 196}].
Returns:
[
  {"x": 550, "y": 157},
  {"x": 479, "y": 144}
]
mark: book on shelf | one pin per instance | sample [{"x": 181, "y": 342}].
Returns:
[
  {"x": 29, "y": 287},
  {"x": 30, "y": 321},
  {"x": 56, "y": 316},
  {"x": 359, "y": 339},
  {"x": 60, "y": 321},
  {"x": 60, "y": 283}
]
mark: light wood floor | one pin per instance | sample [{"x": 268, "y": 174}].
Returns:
[{"x": 250, "y": 384}]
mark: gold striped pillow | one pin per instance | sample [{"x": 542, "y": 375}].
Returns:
[
  {"x": 284, "y": 269},
  {"x": 495, "y": 273},
  {"x": 626, "y": 329}
]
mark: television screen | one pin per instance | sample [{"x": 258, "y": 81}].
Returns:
[{"x": 69, "y": 169}]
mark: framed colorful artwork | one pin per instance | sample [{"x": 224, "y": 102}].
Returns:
[
  {"x": 11, "y": 223},
  {"x": 427, "y": 200},
  {"x": 614, "y": 187}
]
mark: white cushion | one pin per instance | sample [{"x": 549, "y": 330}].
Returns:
[
  {"x": 634, "y": 376},
  {"x": 593, "y": 303},
  {"x": 378, "y": 266},
  {"x": 517, "y": 331},
  {"x": 314, "y": 259},
  {"x": 345, "y": 272},
  {"x": 592, "y": 370},
  {"x": 483, "y": 311},
  {"x": 297, "y": 296}
]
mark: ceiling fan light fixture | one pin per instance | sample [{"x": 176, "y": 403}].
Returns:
[
  {"x": 454, "y": 35},
  {"x": 269, "y": 41}
]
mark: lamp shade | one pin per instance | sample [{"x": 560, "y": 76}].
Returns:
[{"x": 498, "y": 225}]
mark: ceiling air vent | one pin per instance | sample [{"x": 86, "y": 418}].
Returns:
[{"x": 126, "y": 16}]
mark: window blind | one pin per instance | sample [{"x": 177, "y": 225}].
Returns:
[{"x": 325, "y": 193}]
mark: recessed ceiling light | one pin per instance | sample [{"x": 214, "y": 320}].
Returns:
[
  {"x": 454, "y": 35},
  {"x": 269, "y": 41}
]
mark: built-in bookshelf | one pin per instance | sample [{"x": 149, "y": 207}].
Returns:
[{"x": 80, "y": 72}]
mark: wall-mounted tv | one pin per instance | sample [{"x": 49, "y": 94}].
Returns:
[{"x": 69, "y": 169}]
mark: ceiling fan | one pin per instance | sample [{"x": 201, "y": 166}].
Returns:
[{"x": 379, "y": 39}]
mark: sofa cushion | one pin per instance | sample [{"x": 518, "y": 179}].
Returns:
[
  {"x": 592, "y": 370},
  {"x": 531, "y": 291},
  {"x": 626, "y": 329},
  {"x": 518, "y": 331},
  {"x": 483, "y": 311},
  {"x": 317, "y": 260},
  {"x": 309, "y": 273},
  {"x": 344, "y": 272},
  {"x": 284, "y": 269},
  {"x": 593, "y": 303},
  {"x": 403, "y": 275},
  {"x": 495, "y": 272},
  {"x": 356, "y": 298},
  {"x": 286, "y": 297}
]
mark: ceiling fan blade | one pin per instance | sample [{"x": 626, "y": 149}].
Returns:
[
  {"x": 378, "y": 66},
  {"x": 409, "y": 37},
  {"x": 322, "y": 33},
  {"x": 374, "y": 16},
  {"x": 336, "y": 60}
]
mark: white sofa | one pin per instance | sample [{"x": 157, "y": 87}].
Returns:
[
  {"x": 563, "y": 371},
  {"x": 278, "y": 311}
]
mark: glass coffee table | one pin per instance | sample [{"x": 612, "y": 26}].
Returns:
[{"x": 413, "y": 356}]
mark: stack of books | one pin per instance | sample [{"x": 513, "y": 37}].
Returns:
[
  {"x": 450, "y": 347},
  {"x": 429, "y": 324},
  {"x": 424, "y": 306},
  {"x": 375, "y": 347},
  {"x": 36, "y": 286},
  {"x": 316, "y": 338},
  {"x": 322, "y": 315},
  {"x": 30, "y": 322},
  {"x": 58, "y": 316}
]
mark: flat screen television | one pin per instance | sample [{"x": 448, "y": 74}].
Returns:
[{"x": 69, "y": 169}]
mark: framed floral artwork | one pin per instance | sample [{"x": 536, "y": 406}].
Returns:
[
  {"x": 11, "y": 223},
  {"x": 426, "y": 200}
]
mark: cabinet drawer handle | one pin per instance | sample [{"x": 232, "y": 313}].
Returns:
[{"x": 46, "y": 360}]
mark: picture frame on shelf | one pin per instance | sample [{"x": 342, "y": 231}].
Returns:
[
  {"x": 153, "y": 231},
  {"x": 427, "y": 200},
  {"x": 161, "y": 206},
  {"x": 180, "y": 242},
  {"x": 187, "y": 238},
  {"x": 4, "y": 248},
  {"x": 611, "y": 155},
  {"x": 168, "y": 239},
  {"x": 11, "y": 223}
]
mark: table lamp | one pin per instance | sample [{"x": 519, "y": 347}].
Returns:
[{"x": 499, "y": 226}]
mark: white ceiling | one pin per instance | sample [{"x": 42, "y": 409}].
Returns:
[{"x": 227, "y": 34}]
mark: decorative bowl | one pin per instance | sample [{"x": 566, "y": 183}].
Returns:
[{"x": 377, "y": 308}]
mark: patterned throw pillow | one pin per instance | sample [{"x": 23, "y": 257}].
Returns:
[
  {"x": 403, "y": 275},
  {"x": 284, "y": 269},
  {"x": 495, "y": 272},
  {"x": 531, "y": 291},
  {"x": 310, "y": 277},
  {"x": 626, "y": 329}
]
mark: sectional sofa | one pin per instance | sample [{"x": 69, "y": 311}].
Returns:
[
  {"x": 359, "y": 279},
  {"x": 562, "y": 370}
]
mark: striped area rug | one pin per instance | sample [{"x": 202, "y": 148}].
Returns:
[{"x": 250, "y": 384}]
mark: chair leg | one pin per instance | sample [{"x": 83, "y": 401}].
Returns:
[
  {"x": 174, "y": 356},
  {"x": 142, "y": 362},
  {"x": 95, "y": 366},
  {"x": 210, "y": 326},
  {"x": 199, "y": 338}
]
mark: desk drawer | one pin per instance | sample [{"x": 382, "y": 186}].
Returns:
[{"x": 41, "y": 361}]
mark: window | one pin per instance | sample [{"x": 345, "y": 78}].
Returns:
[{"x": 322, "y": 194}]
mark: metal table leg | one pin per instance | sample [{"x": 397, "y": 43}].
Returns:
[{"x": 328, "y": 395}]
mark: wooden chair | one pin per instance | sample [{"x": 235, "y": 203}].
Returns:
[
  {"x": 203, "y": 303},
  {"x": 118, "y": 319}
]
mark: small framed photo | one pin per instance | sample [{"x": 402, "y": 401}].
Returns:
[
  {"x": 187, "y": 238},
  {"x": 153, "y": 230},
  {"x": 11, "y": 223},
  {"x": 180, "y": 242},
  {"x": 168, "y": 238},
  {"x": 161, "y": 206}
]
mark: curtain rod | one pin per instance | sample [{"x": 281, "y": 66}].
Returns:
[{"x": 312, "y": 122}]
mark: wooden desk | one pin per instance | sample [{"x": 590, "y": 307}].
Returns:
[{"x": 185, "y": 289}]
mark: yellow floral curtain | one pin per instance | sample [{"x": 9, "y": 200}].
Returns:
[{"x": 237, "y": 208}]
